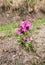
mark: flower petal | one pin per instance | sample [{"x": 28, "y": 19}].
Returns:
[
  {"x": 31, "y": 38},
  {"x": 19, "y": 32}
]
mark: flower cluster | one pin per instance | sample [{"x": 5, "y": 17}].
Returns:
[
  {"x": 25, "y": 26},
  {"x": 24, "y": 34}
]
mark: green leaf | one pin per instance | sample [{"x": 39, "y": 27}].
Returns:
[
  {"x": 28, "y": 35},
  {"x": 20, "y": 39},
  {"x": 27, "y": 44}
]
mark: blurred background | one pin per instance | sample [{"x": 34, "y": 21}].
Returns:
[{"x": 16, "y": 10}]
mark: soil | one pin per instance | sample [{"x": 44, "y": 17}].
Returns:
[
  {"x": 8, "y": 17},
  {"x": 11, "y": 53}
]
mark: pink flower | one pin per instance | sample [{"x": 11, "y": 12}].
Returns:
[
  {"x": 28, "y": 24},
  {"x": 24, "y": 30},
  {"x": 19, "y": 32},
  {"x": 27, "y": 39},
  {"x": 23, "y": 24},
  {"x": 31, "y": 38},
  {"x": 33, "y": 19},
  {"x": 31, "y": 27}
]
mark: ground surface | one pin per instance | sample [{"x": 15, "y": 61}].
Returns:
[
  {"x": 7, "y": 18},
  {"x": 10, "y": 51},
  {"x": 13, "y": 54},
  {"x": 21, "y": 12}
]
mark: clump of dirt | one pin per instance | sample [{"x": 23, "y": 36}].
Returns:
[{"x": 12, "y": 54}]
